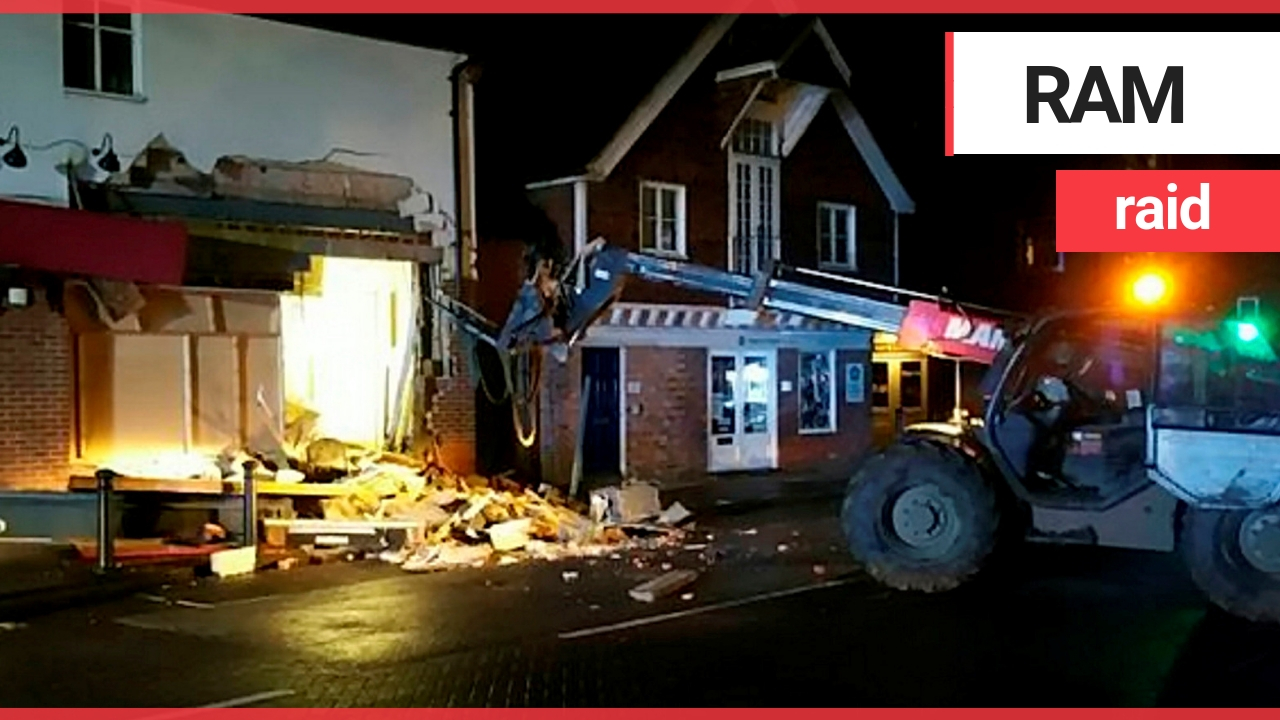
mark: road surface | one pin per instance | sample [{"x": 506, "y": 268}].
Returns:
[{"x": 779, "y": 617}]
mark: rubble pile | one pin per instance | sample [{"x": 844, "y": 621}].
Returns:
[
  {"x": 470, "y": 520},
  {"x": 441, "y": 519}
]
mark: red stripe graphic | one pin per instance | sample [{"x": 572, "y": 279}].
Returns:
[
  {"x": 951, "y": 94},
  {"x": 1137, "y": 211},
  {"x": 651, "y": 6}
]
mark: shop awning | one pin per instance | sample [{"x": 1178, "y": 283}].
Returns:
[
  {"x": 930, "y": 328},
  {"x": 79, "y": 242}
]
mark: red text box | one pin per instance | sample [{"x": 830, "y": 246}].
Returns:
[{"x": 1129, "y": 211}]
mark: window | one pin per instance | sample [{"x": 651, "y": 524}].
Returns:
[
  {"x": 662, "y": 218},
  {"x": 817, "y": 392},
  {"x": 880, "y": 385},
  {"x": 912, "y": 386},
  {"x": 755, "y": 137},
  {"x": 1212, "y": 365},
  {"x": 99, "y": 53},
  {"x": 837, "y": 225},
  {"x": 1055, "y": 261}
]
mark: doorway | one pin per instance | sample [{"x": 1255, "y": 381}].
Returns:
[
  {"x": 602, "y": 436},
  {"x": 742, "y": 410},
  {"x": 898, "y": 384}
]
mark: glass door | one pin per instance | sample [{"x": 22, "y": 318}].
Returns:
[{"x": 742, "y": 417}]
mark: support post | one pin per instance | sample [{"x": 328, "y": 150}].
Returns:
[
  {"x": 897, "y": 266},
  {"x": 577, "y": 446},
  {"x": 250, "y": 533},
  {"x": 106, "y": 533},
  {"x": 959, "y": 393}
]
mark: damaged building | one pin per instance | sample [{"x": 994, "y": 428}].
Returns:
[{"x": 201, "y": 273}]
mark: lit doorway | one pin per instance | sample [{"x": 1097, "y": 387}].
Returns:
[
  {"x": 742, "y": 422},
  {"x": 899, "y": 384}
]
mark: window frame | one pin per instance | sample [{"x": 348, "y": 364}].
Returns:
[
  {"x": 826, "y": 223},
  {"x": 832, "y": 393},
  {"x": 919, "y": 374},
  {"x": 97, "y": 28},
  {"x": 681, "y": 217}
]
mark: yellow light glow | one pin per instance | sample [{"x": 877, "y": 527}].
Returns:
[
  {"x": 161, "y": 464},
  {"x": 347, "y": 348},
  {"x": 1150, "y": 288}
]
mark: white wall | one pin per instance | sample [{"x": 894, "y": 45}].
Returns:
[{"x": 219, "y": 85}]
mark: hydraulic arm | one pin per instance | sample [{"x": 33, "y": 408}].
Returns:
[{"x": 553, "y": 310}]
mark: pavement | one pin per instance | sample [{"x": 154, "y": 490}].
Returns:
[
  {"x": 41, "y": 577},
  {"x": 779, "y": 617},
  {"x": 37, "y": 578}
]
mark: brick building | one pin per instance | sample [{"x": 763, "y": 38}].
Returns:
[
  {"x": 318, "y": 163},
  {"x": 35, "y": 365},
  {"x": 745, "y": 148}
]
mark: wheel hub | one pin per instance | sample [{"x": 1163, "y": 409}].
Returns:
[
  {"x": 925, "y": 519},
  {"x": 1260, "y": 540}
]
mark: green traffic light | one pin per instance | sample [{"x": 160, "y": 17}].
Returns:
[{"x": 1247, "y": 332}]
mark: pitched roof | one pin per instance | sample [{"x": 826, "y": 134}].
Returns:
[
  {"x": 595, "y": 119},
  {"x": 545, "y": 107}
]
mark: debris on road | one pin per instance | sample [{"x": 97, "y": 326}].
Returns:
[
  {"x": 471, "y": 520},
  {"x": 632, "y": 502},
  {"x": 510, "y": 535},
  {"x": 819, "y": 569},
  {"x": 674, "y": 515},
  {"x": 686, "y": 597},
  {"x": 783, "y": 547},
  {"x": 569, "y": 575},
  {"x": 240, "y": 561},
  {"x": 663, "y": 585},
  {"x": 750, "y": 531}
]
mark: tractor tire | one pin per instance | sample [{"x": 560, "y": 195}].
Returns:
[
  {"x": 1234, "y": 558},
  {"x": 922, "y": 517}
]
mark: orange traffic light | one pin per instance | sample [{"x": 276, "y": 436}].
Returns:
[{"x": 1150, "y": 288}]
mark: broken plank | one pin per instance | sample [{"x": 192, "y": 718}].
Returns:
[{"x": 663, "y": 585}]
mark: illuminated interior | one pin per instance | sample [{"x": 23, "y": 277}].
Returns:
[{"x": 347, "y": 346}]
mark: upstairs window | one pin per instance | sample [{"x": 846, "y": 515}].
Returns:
[
  {"x": 837, "y": 241},
  {"x": 662, "y": 218},
  {"x": 1035, "y": 254},
  {"x": 755, "y": 137},
  {"x": 99, "y": 53}
]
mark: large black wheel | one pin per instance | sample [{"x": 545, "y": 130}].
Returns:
[
  {"x": 920, "y": 516},
  {"x": 1234, "y": 557}
]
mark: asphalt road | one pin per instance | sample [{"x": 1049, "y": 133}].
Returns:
[{"x": 778, "y": 617}]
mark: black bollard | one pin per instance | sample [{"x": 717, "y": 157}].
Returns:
[
  {"x": 250, "y": 532},
  {"x": 106, "y": 535}
]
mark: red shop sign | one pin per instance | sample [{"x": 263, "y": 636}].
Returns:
[{"x": 930, "y": 328}]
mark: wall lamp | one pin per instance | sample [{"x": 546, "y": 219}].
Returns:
[
  {"x": 15, "y": 158},
  {"x": 105, "y": 153}
]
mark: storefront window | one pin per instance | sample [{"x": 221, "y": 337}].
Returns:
[
  {"x": 817, "y": 392},
  {"x": 755, "y": 408},
  {"x": 880, "y": 385},
  {"x": 724, "y": 407},
  {"x": 912, "y": 386}
]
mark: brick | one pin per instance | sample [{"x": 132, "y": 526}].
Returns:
[{"x": 35, "y": 398}]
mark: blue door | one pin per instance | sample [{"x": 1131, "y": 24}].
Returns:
[{"x": 601, "y": 441}]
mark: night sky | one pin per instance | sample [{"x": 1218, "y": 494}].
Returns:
[{"x": 971, "y": 210}]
